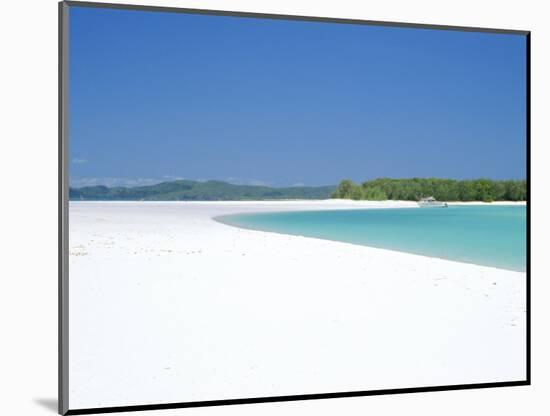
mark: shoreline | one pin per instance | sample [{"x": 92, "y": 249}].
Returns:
[
  {"x": 245, "y": 313},
  {"x": 217, "y": 219},
  {"x": 362, "y": 205},
  {"x": 351, "y": 202}
]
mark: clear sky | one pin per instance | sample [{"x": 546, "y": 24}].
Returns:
[{"x": 156, "y": 96}]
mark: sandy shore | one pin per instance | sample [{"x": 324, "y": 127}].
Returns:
[{"x": 168, "y": 305}]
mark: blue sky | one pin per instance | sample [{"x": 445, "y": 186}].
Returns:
[{"x": 158, "y": 96}]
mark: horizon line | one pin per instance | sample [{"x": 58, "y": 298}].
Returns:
[{"x": 153, "y": 182}]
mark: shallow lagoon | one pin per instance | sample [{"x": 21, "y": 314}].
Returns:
[{"x": 485, "y": 235}]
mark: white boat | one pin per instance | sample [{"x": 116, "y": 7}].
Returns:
[{"x": 431, "y": 202}]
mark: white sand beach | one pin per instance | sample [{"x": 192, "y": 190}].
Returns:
[{"x": 168, "y": 305}]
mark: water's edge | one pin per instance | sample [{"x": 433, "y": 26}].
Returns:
[{"x": 229, "y": 220}]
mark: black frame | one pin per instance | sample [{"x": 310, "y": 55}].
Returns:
[{"x": 63, "y": 211}]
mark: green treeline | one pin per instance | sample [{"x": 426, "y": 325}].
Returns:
[{"x": 441, "y": 189}]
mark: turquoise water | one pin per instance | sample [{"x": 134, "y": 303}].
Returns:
[{"x": 486, "y": 235}]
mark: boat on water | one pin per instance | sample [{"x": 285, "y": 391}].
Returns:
[{"x": 431, "y": 202}]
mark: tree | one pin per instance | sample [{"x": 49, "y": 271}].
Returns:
[
  {"x": 357, "y": 193},
  {"x": 344, "y": 189},
  {"x": 442, "y": 189},
  {"x": 374, "y": 194}
]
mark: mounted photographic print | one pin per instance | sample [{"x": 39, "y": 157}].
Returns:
[{"x": 263, "y": 207}]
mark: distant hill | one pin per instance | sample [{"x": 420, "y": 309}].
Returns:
[{"x": 185, "y": 190}]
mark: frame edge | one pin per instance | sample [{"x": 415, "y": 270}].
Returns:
[
  {"x": 63, "y": 210},
  {"x": 276, "y": 16}
]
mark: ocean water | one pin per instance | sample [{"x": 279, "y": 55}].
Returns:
[{"x": 486, "y": 235}]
